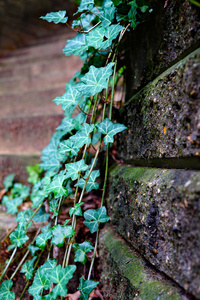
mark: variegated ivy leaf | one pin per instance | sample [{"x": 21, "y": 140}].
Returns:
[
  {"x": 91, "y": 184},
  {"x": 85, "y": 287},
  {"x": 76, "y": 46},
  {"x": 81, "y": 250},
  {"x": 69, "y": 147},
  {"x": 95, "y": 80},
  {"x": 76, "y": 210},
  {"x": 60, "y": 232},
  {"x": 41, "y": 240},
  {"x": 28, "y": 268},
  {"x": 56, "y": 186},
  {"x": 19, "y": 237},
  {"x": 61, "y": 276},
  {"x": 66, "y": 125},
  {"x": 95, "y": 37},
  {"x": 73, "y": 169},
  {"x": 109, "y": 129},
  {"x": 70, "y": 98},
  {"x": 111, "y": 33},
  {"x": 12, "y": 205},
  {"x": 56, "y": 17},
  {"x": 107, "y": 14},
  {"x": 82, "y": 137},
  {"x": 85, "y": 5},
  {"x": 93, "y": 217},
  {"x": 5, "y": 292}
]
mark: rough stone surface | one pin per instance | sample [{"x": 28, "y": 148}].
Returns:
[
  {"x": 158, "y": 212},
  {"x": 126, "y": 275},
  {"x": 163, "y": 119},
  {"x": 170, "y": 33},
  {"x": 17, "y": 164}
]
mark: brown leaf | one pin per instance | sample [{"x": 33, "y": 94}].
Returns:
[{"x": 74, "y": 296}]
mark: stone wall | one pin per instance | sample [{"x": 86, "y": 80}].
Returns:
[{"x": 154, "y": 196}]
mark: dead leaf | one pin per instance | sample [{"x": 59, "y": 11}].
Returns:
[{"x": 74, "y": 296}]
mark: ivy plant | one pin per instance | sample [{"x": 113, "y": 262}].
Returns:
[{"x": 68, "y": 168}]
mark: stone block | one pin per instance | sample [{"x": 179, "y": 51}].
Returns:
[
  {"x": 125, "y": 275},
  {"x": 158, "y": 212},
  {"x": 163, "y": 38},
  {"x": 163, "y": 119}
]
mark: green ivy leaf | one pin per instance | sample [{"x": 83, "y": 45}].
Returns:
[
  {"x": 66, "y": 125},
  {"x": 70, "y": 147},
  {"x": 84, "y": 21},
  {"x": 95, "y": 37},
  {"x": 40, "y": 282},
  {"x": 110, "y": 34},
  {"x": 34, "y": 173},
  {"x": 24, "y": 216},
  {"x": 81, "y": 250},
  {"x": 19, "y": 237},
  {"x": 95, "y": 216},
  {"x": 85, "y": 287},
  {"x": 76, "y": 46},
  {"x": 28, "y": 268},
  {"x": 85, "y": 5},
  {"x": 108, "y": 13},
  {"x": 49, "y": 265},
  {"x": 41, "y": 240},
  {"x": 20, "y": 190},
  {"x": 61, "y": 277},
  {"x": 33, "y": 249},
  {"x": 82, "y": 137},
  {"x": 70, "y": 98},
  {"x": 56, "y": 17},
  {"x": 76, "y": 210},
  {"x": 73, "y": 169},
  {"x": 53, "y": 205},
  {"x": 13, "y": 204},
  {"x": 5, "y": 292},
  {"x": 41, "y": 215},
  {"x": 60, "y": 232},
  {"x": 8, "y": 181},
  {"x": 110, "y": 129},
  {"x": 95, "y": 80},
  {"x": 91, "y": 184},
  {"x": 56, "y": 186}
]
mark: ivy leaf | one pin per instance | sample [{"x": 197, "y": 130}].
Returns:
[
  {"x": 53, "y": 205},
  {"x": 61, "y": 277},
  {"x": 95, "y": 216},
  {"x": 13, "y": 204},
  {"x": 91, "y": 184},
  {"x": 41, "y": 240},
  {"x": 95, "y": 80},
  {"x": 70, "y": 147},
  {"x": 73, "y": 169},
  {"x": 41, "y": 215},
  {"x": 60, "y": 232},
  {"x": 56, "y": 186},
  {"x": 85, "y": 287},
  {"x": 40, "y": 282},
  {"x": 33, "y": 249},
  {"x": 82, "y": 137},
  {"x": 76, "y": 210},
  {"x": 20, "y": 190},
  {"x": 34, "y": 173},
  {"x": 8, "y": 181},
  {"x": 84, "y": 20},
  {"x": 110, "y": 34},
  {"x": 66, "y": 125},
  {"x": 76, "y": 46},
  {"x": 28, "y": 268},
  {"x": 81, "y": 250},
  {"x": 95, "y": 37},
  {"x": 5, "y": 292},
  {"x": 49, "y": 265},
  {"x": 108, "y": 13},
  {"x": 109, "y": 129},
  {"x": 56, "y": 17},
  {"x": 19, "y": 237},
  {"x": 70, "y": 98},
  {"x": 85, "y": 5}
]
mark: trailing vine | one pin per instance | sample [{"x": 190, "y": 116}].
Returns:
[{"x": 70, "y": 160}]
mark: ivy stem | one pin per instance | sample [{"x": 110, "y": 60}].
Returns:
[
  {"x": 26, "y": 254},
  {"x": 9, "y": 262},
  {"x": 94, "y": 254},
  {"x": 33, "y": 215}
]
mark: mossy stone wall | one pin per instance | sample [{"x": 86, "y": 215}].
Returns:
[{"x": 154, "y": 195}]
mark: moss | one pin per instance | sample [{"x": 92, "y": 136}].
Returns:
[{"x": 132, "y": 268}]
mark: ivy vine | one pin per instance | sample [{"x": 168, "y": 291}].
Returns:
[{"x": 68, "y": 163}]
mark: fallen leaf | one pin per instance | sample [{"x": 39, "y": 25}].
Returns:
[{"x": 74, "y": 296}]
